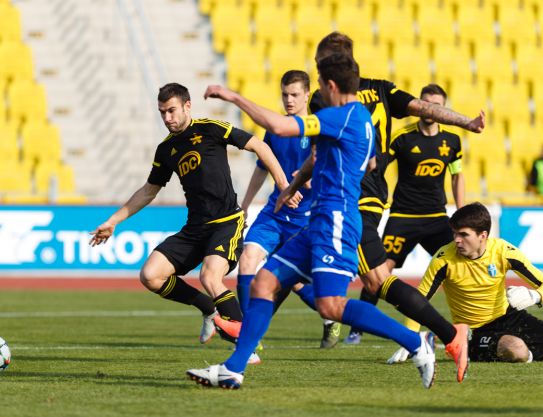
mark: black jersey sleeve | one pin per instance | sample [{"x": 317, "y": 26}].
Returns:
[
  {"x": 316, "y": 102},
  {"x": 398, "y": 100},
  {"x": 160, "y": 173}
]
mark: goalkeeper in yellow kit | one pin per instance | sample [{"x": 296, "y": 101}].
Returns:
[{"x": 472, "y": 271}]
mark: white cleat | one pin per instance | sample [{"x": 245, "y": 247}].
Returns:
[
  {"x": 254, "y": 359},
  {"x": 216, "y": 376},
  {"x": 208, "y": 328},
  {"x": 425, "y": 359}
]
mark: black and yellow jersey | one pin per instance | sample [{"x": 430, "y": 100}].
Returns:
[
  {"x": 383, "y": 100},
  {"x": 199, "y": 158},
  {"x": 422, "y": 162},
  {"x": 475, "y": 288}
]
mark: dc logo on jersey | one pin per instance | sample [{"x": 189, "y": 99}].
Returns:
[
  {"x": 328, "y": 259},
  {"x": 304, "y": 143},
  {"x": 492, "y": 270},
  {"x": 189, "y": 162}
]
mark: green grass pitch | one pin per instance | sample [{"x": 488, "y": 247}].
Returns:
[{"x": 125, "y": 354}]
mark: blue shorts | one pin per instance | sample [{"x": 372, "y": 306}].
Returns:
[
  {"x": 324, "y": 253},
  {"x": 269, "y": 231}
]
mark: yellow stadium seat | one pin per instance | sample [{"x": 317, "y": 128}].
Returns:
[
  {"x": 26, "y": 100},
  {"x": 468, "y": 98},
  {"x": 230, "y": 24},
  {"x": 537, "y": 102},
  {"x": 9, "y": 147},
  {"x": 434, "y": 23},
  {"x": 516, "y": 24},
  {"x": 394, "y": 24},
  {"x": 51, "y": 178},
  {"x": 373, "y": 60},
  {"x": 273, "y": 25},
  {"x": 10, "y": 23},
  {"x": 284, "y": 57},
  {"x": 526, "y": 141},
  {"x": 529, "y": 61},
  {"x": 311, "y": 24},
  {"x": 488, "y": 147},
  {"x": 41, "y": 142},
  {"x": 451, "y": 64},
  {"x": 356, "y": 22},
  {"x": 475, "y": 24},
  {"x": 505, "y": 179},
  {"x": 411, "y": 64},
  {"x": 472, "y": 178},
  {"x": 509, "y": 102},
  {"x": 245, "y": 63},
  {"x": 493, "y": 63},
  {"x": 15, "y": 177},
  {"x": 15, "y": 60},
  {"x": 66, "y": 179}
]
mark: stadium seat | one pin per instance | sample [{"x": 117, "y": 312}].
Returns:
[
  {"x": 537, "y": 102},
  {"x": 355, "y": 22},
  {"x": 15, "y": 61},
  {"x": 230, "y": 24},
  {"x": 451, "y": 63},
  {"x": 488, "y": 147},
  {"x": 526, "y": 142},
  {"x": 273, "y": 25},
  {"x": 26, "y": 99},
  {"x": 245, "y": 63},
  {"x": 9, "y": 147},
  {"x": 311, "y": 24},
  {"x": 433, "y": 22},
  {"x": 493, "y": 63},
  {"x": 472, "y": 179},
  {"x": 54, "y": 178},
  {"x": 41, "y": 142},
  {"x": 410, "y": 65},
  {"x": 509, "y": 101},
  {"x": 284, "y": 57},
  {"x": 505, "y": 181},
  {"x": 475, "y": 24},
  {"x": 529, "y": 62},
  {"x": 15, "y": 177},
  {"x": 374, "y": 60},
  {"x": 467, "y": 98},
  {"x": 394, "y": 24},
  {"x": 10, "y": 23},
  {"x": 516, "y": 24}
]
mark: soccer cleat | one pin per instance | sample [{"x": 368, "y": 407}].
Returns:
[
  {"x": 208, "y": 328},
  {"x": 254, "y": 359},
  {"x": 330, "y": 335},
  {"x": 216, "y": 376},
  {"x": 353, "y": 338},
  {"x": 425, "y": 359},
  {"x": 458, "y": 350},
  {"x": 228, "y": 330}
]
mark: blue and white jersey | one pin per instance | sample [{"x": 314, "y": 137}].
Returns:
[
  {"x": 345, "y": 144},
  {"x": 291, "y": 152}
]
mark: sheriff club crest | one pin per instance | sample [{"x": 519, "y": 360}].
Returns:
[
  {"x": 195, "y": 139},
  {"x": 444, "y": 149}
]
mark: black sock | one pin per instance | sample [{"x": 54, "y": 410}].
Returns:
[
  {"x": 228, "y": 306},
  {"x": 280, "y": 297},
  {"x": 410, "y": 302},
  {"x": 176, "y": 289}
]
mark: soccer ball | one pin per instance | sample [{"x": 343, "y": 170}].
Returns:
[{"x": 5, "y": 355}]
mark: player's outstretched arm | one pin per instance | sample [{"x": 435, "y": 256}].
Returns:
[
  {"x": 441, "y": 114},
  {"x": 139, "y": 199},
  {"x": 269, "y": 120}
]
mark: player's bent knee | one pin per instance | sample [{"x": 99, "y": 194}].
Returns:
[
  {"x": 330, "y": 308},
  {"x": 512, "y": 349},
  {"x": 149, "y": 281},
  {"x": 265, "y": 285}
]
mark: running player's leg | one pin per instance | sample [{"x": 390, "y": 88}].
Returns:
[{"x": 251, "y": 257}]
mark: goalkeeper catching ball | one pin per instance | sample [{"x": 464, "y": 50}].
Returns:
[{"x": 472, "y": 270}]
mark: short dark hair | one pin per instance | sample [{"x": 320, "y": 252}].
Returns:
[
  {"x": 294, "y": 76},
  {"x": 173, "y": 90},
  {"x": 335, "y": 42},
  {"x": 433, "y": 89},
  {"x": 342, "y": 69},
  {"x": 474, "y": 215}
]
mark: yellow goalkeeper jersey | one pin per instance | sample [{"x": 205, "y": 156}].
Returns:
[{"x": 475, "y": 288}]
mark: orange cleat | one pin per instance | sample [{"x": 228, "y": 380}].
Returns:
[
  {"x": 228, "y": 330},
  {"x": 458, "y": 350}
]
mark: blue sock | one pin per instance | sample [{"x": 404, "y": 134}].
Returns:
[
  {"x": 244, "y": 289},
  {"x": 368, "y": 318},
  {"x": 255, "y": 324},
  {"x": 307, "y": 296}
]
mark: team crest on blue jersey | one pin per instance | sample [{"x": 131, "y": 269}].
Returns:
[
  {"x": 492, "y": 270},
  {"x": 304, "y": 143},
  {"x": 328, "y": 259}
]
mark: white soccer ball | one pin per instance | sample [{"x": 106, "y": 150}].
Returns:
[{"x": 5, "y": 355}]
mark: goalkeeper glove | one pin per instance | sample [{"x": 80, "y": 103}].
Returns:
[
  {"x": 399, "y": 356},
  {"x": 522, "y": 297}
]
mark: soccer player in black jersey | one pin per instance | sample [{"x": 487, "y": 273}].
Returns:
[
  {"x": 424, "y": 151},
  {"x": 195, "y": 150},
  {"x": 384, "y": 101}
]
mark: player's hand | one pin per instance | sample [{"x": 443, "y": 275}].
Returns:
[
  {"x": 478, "y": 124},
  {"x": 218, "y": 91},
  {"x": 522, "y": 297},
  {"x": 400, "y": 355},
  {"x": 289, "y": 197},
  {"x": 102, "y": 233}
]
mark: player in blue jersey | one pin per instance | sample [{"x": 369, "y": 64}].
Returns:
[
  {"x": 325, "y": 251},
  {"x": 270, "y": 230}
]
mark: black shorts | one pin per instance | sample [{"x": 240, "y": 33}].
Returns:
[
  {"x": 371, "y": 252},
  {"x": 186, "y": 249},
  {"x": 402, "y": 234},
  {"x": 484, "y": 340}
]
